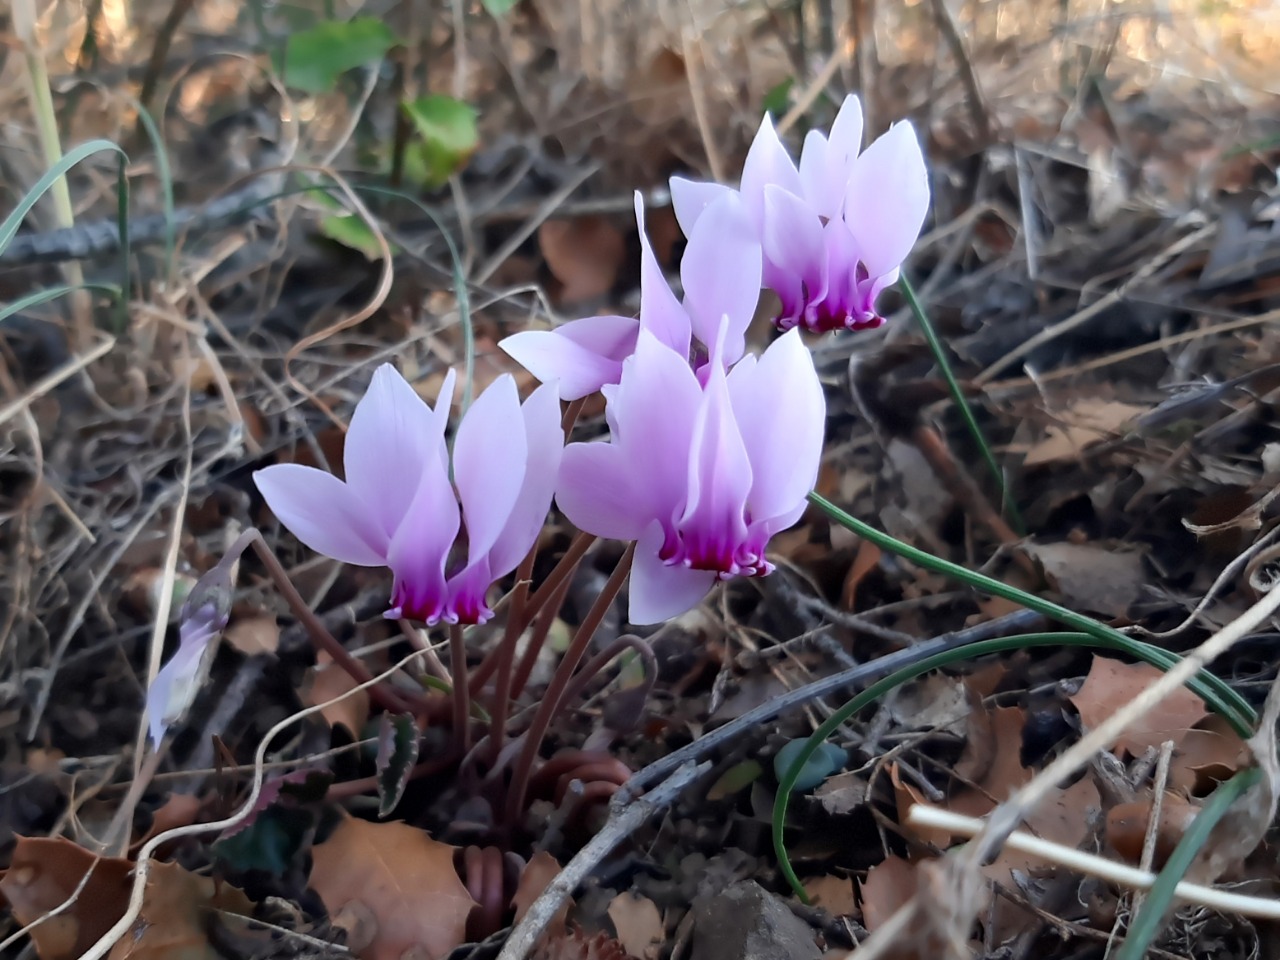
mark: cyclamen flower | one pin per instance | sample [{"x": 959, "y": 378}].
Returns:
[
  {"x": 720, "y": 273},
  {"x": 445, "y": 541},
  {"x": 174, "y": 688},
  {"x": 700, "y": 474},
  {"x": 835, "y": 230}
]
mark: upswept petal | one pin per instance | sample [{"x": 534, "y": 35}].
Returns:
[
  {"x": 887, "y": 198},
  {"x": 659, "y": 591},
  {"x": 843, "y": 146},
  {"x": 324, "y": 513},
  {"x": 596, "y": 491},
  {"x": 653, "y": 429},
  {"x": 392, "y": 433},
  {"x": 490, "y": 454},
  {"x": 690, "y": 197},
  {"x": 767, "y": 162},
  {"x": 713, "y": 524},
  {"x": 813, "y": 174},
  {"x": 660, "y": 312},
  {"x": 545, "y": 444},
  {"x": 793, "y": 241},
  {"x": 721, "y": 271},
  {"x": 421, "y": 546},
  {"x": 561, "y": 356},
  {"x": 780, "y": 408}
]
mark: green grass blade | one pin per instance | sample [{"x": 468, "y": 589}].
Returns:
[
  {"x": 165, "y": 172},
  {"x": 1240, "y": 713},
  {"x": 1008, "y": 507},
  {"x": 53, "y": 293},
  {"x": 9, "y": 226},
  {"x": 1146, "y": 926},
  {"x": 1202, "y": 684}
]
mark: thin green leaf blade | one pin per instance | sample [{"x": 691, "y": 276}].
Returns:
[
  {"x": 53, "y": 293},
  {"x": 9, "y": 226}
]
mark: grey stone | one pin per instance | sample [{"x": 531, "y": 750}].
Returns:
[{"x": 746, "y": 922}]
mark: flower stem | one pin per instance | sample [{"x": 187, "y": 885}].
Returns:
[
  {"x": 538, "y": 639},
  {"x": 560, "y": 574},
  {"x": 560, "y": 681},
  {"x": 461, "y": 694},
  {"x": 506, "y": 655},
  {"x": 384, "y": 696}
]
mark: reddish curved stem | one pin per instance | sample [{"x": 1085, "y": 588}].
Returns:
[{"x": 554, "y": 695}]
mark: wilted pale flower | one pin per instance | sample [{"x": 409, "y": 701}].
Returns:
[
  {"x": 720, "y": 273},
  {"x": 835, "y": 230},
  {"x": 701, "y": 475},
  {"x": 399, "y": 508},
  {"x": 202, "y": 619}
]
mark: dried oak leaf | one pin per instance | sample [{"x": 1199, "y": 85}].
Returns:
[
  {"x": 1111, "y": 682},
  {"x": 639, "y": 924},
  {"x": 393, "y": 889},
  {"x": 537, "y": 875},
  {"x": 584, "y": 254},
  {"x": 1086, "y": 421},
  {"x": 326, "y": 681},
  {"x": 890, "y": 884},
  {"x": 834, "y": 894},
  {"x": 44, "y": 873},
  {"x": 1092, "y": 576},
  {"x": 576, "y": 944},
  {"x": 174, "y": 919}
]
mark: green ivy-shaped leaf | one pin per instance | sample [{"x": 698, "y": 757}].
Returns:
[
  {"x": 499, "y": 7},
  {"x": 447, "y": 134},
  {"x": 397, "y": 753},
  {"x": 315, "y": 58}
]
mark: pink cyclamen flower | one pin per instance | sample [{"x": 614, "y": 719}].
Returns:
[
  {"x": 720, "y": 273},
  {"x": 445, "y": 541},
  {"x": 834, "y": 230},
  {"x": 701, "y": 474}
]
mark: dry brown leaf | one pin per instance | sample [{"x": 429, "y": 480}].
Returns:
[
  {"x": 1111, "y": 682},
  {"x": 326, "y": 681},
  {"x": 584, "y": 254},
  {"x": 888, "y": 887},
  {"x": 538, "y": 873},
  {"x": 834, "y": 894},
  {"x": 1086, "y": 421},
  {"x": 576, "y": 944},
  {"x": 173, "y": 922},
  {"x": 1211, "y": 753},
  {"x": 867, "y": 559},
  {"x": 1092, "y": 576},
  {"x": 638, "y": 923},
  {"x": 1127, "y": 825},
  {"x": 992, "y": 754},
  {"x": 392, "y": 888},
  {"x": 43, "y": 873},
  {"x": 257, "y": 634},
  {"x": 179, "y": 810}
]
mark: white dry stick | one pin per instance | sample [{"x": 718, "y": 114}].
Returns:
[
  {"x": 1006, "y": 817},
  {"x": 1095, "y": 308},
  {"x": 925, "y": 816},
  {"x": 143, "y": 867},
  {"x": 1009, "y": 814},
  {"x": 621, "y": 824}
]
